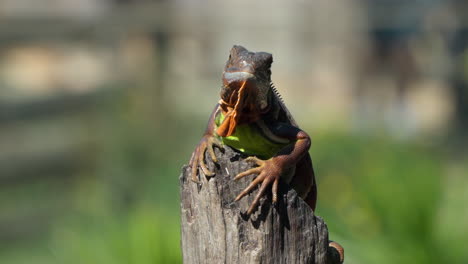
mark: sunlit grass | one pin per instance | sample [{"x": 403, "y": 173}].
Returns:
[
  {"x": 385, "y": 201},
  {"x": 380, "y": 196},
  {"x": 143, "y": 235}
]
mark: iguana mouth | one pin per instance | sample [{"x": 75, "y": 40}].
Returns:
[{"x": 238, "y": 101}]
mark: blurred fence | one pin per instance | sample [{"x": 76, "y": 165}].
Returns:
[{"x": 45, "y": 144}]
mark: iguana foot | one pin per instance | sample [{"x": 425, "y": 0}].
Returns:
[
  {"x": 268, "y": 173},
  {"x": 198, "y": 156},
  {"x": 335, "y": 253}
]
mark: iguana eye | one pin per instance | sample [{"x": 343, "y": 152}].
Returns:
[{"x": 263, "y": 105}]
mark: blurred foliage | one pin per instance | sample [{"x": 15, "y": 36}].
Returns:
[
  {"x": 141, "y": 235},
  {"x": 383, "y": 200},
  {"x": 380, "y": 196}
]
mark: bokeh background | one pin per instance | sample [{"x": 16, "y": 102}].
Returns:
[{"x": 102, "y": 102}]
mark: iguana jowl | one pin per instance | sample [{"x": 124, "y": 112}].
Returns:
[{"x": 252, "y": 118}]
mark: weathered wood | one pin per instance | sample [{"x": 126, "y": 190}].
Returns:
[{"x": 215, "y": 229}]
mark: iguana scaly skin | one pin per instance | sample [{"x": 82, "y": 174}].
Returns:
[{"x": 252, "y": 118}]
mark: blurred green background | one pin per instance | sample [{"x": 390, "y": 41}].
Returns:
[{"x": 102, "y": 102}]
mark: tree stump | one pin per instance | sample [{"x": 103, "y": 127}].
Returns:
[{"x": 215, "y": 229}]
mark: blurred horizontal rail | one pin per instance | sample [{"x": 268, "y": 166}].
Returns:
[
  {"x": 39, "y": 167},
  {"x": 187, "y": 17},
  {"x": 65, "y": 104},
  {"x": 35, "y": 224}
]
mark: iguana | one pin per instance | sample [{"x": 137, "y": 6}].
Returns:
[{"x": 252, "y": 118}]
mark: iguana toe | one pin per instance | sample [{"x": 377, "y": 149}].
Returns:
[{"x": 198, "y": 157}]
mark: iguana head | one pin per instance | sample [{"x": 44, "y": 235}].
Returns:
[{"x": 246, "y": 88}]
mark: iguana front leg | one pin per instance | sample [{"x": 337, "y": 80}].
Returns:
[
  {"x": 206, "y": 144},
  {"x": 270, "y": 171}
]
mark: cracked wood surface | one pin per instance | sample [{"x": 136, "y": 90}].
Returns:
[{"x": 215, "y": 229}]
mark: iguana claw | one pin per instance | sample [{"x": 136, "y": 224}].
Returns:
[
  {"x": 198, "y": 156},
  {"x": 268, "y": 173}
]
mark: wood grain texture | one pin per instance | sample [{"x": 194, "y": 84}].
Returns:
[{"x": 215, "y": 229}]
